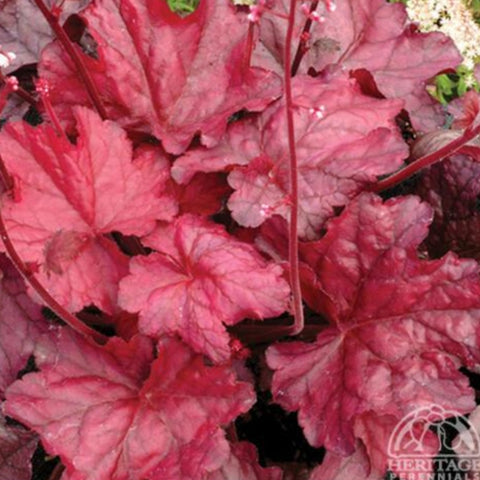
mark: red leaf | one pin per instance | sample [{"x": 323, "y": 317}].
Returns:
[
  {"x": 452, "y": 188},
  {"x": 337, "y": 154},
  {"x": 67, "y": 197},
  {"x": 205, "y": 194},
  {"x": 110, "y": 412},
  {"x": 239, "y": 145},
  {"x": 371, "y": 35},
  {"x": 400, "y": 327},
  {"x": 200, "y": 279},
  {"x": 337, "y": 467},
  {"x": 466, "y": 110},
  {"x": 377, "y": 431},
  {"x": 25, "y": 32},
  {"x": 20, "y": 325},
  {"x": 16, "y": 449},
  {"x": 206, "y": 62},
  {"x": 243, "y": 465}
]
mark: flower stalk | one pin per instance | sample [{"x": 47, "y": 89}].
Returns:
[
  {"x": 293, "y": 226},
  {"x": 427, "y": 160},
  {"x": 67, "y": 44}
]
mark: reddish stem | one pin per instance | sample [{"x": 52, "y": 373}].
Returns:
[
  {"x": 293, "y": 227},
  {"x": 426, "y": 160},
  {"x": 28, "y": 275},
  {"x": 5, "y": 177},
  {"x": 21, "y": 92},
  {"x": 43, "y": 91},
  {"x": 249, "y": 48},
  {"x": 76, "y": 58},
  {"x": 302, "y": 44}
]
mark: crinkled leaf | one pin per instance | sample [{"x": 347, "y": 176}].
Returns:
[
  {"x": 203, "y": 80},
  {"x": 338, "y": 467},
  {"x": 199, "y": 279},
  {"x": 66, "y": 197},
  {"x": 242, "y": 464},
  {"x": 436, "y": 139},
  {"x": 400, "y": 327},
  {"x": 465, "y": 110},
  {"x": 115, "y": 412},
  {"x": 14, "y": 109},
  {"x": 354, "y": 140},
  {"x": 372, "y": 35},
  {"x": 20, "y": 324},
  {"x": 204, "y": 194},
  {"x": 378, "y": 432},
  {"x": 239, "y": 145},
  {"x": 16, "y": 449},
  {"x": 452, "y": 188},
  {"x": 25, "y": 32}
]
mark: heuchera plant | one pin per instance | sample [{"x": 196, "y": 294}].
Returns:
[{"x": 181, "y": 179}]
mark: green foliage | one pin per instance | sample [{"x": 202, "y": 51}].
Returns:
[
  {"x": 183, "y": 6},
  {"x": 474, "y": 6},
  {"x": 449, "y": 86}
]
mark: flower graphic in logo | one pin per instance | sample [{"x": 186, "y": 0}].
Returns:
[{"x": 412, "y": 436}]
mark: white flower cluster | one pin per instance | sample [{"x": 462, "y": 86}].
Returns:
[{"x": 453, "y": 18}]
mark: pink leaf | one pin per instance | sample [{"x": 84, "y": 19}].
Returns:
[
  {"x": 200, "y": 279},
  {"x": 115, "y": 412},
  {"x": 207, "y": 62},
  {"x": 243, "y": 465},
  {"x": 20, "y": 324},
  {"x": 337, "y": 467},
  {"x": 204, "y": 194},
  {"x": 379, "y": 432},
  {"x": 67, "y": 197},
  {"x": 25, "y": 32},
  {"x": 16, "y": 449},
  {"x": 452, "y": 188},
  {"x": 372, "y": 35},
  {"x": 466, "y": 110},
  {"x": 239, "y": 145},
  {"x": 344, "y": 139},
  {"x": 400, "y": 327}
]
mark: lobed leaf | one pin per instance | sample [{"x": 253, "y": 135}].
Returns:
[
  {"x": 196, "y": 87},
  {"x": 199, "y": 279},
  {"x": 373, "y": 35},
  {"x": 116, "y": 412},
  {"x": 21, "y": 324},
  {"x": 343, "y": 140},
  {"x": 67, "y": 197},
  {"x": 16, "y": 449},
  {"x": 400, "y": 327}
]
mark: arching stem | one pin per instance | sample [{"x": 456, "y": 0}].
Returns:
[
  {"x": 302, "y": 44},
  {"x": 426, "y": 160},
  {"x": 293, "y": 227},
  {"x": 75, "y": 56},
  {"x": 29, "y": 277}
]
